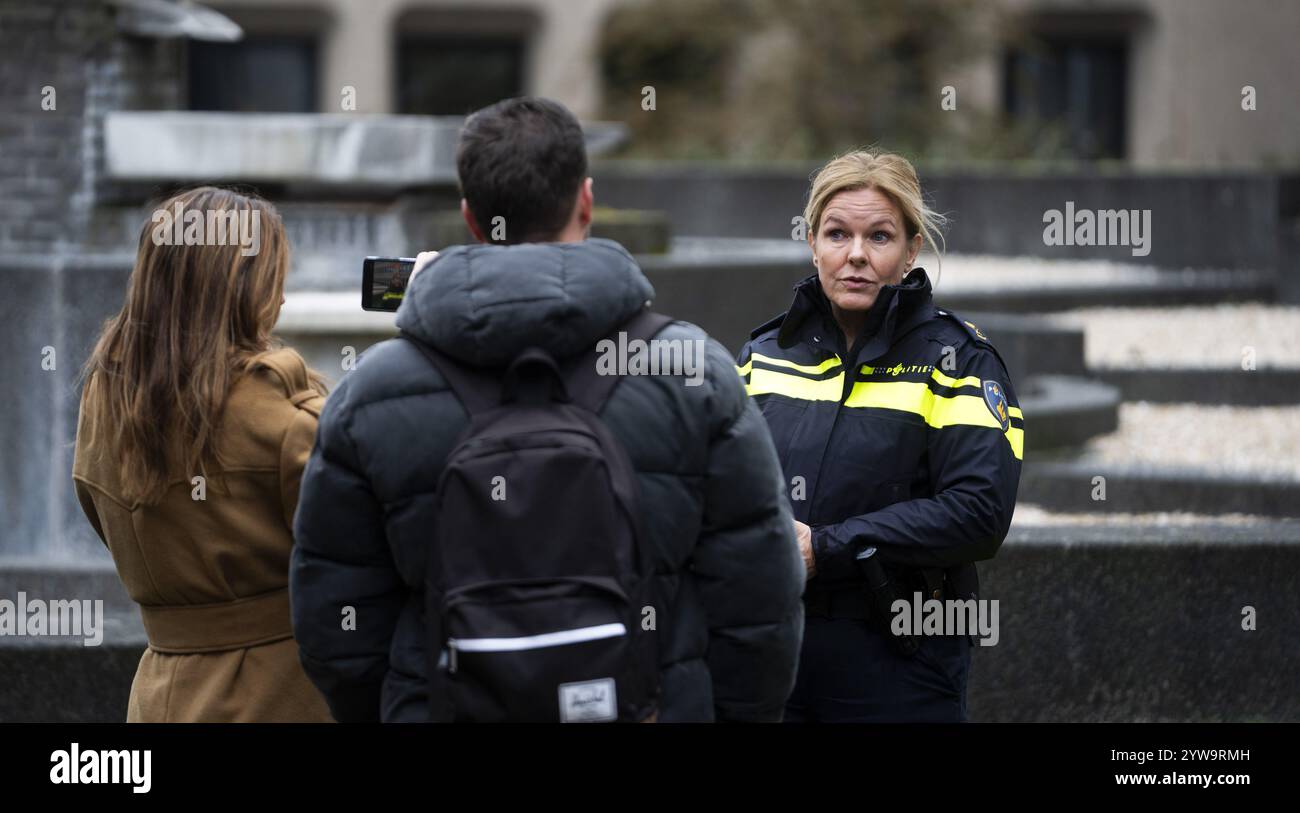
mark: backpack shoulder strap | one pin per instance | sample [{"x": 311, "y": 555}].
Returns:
[
  {"x": 586, "y": 386},
  {"x": 476, "y": 391}
]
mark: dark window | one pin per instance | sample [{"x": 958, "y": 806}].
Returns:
[
  {"x": 445, "y": 76},
  {"x": 268, "y": 74},
  {"x": 1078, "y": 85}
]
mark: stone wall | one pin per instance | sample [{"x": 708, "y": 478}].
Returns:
[
  {"x": 68, "y": 56},
  {"x": 999, "y": 213},
  {"x": 1095, "y": 625},
  {"x": 66, "y": 66}
]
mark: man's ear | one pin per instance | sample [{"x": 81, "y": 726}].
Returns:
[
  {"x": 586, "y": 202},
  {"x": 469, "y": 221}
]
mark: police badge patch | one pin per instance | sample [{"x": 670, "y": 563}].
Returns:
[{"x": 997, "y": 403}]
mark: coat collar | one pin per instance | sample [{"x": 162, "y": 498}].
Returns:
[{"x": 897, "y": 310}]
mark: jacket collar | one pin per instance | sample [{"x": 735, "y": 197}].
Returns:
[
  {"x": 485, "y": 304},
  {"x": 897, "y": 310}
]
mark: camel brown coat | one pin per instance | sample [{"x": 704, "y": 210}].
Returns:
[{"x": 211, "y": 575}]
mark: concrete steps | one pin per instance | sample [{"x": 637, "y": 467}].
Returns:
[
  {"x": 1070, "y": 485},
  {"x": 1261, "y": 387}
]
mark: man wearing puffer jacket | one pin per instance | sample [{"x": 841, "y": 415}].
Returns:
[{"x": 728, "y": 572}]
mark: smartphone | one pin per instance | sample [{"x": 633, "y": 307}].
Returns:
[{"x": 384, "y": 281}]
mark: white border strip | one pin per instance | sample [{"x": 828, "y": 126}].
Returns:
[{"x": 537, "y": 641}]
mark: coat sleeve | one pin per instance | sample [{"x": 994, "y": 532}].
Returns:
[
  {"x": 974, "y": 473},
  {"x": 84, "y": 496},
  {"x": 295, "y": 450},
  {"x": 87, "y": 501},
  {"x": 746, "y": 568},
  {"x": 345, "y": 591}
]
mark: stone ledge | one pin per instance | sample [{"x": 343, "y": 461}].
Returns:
[
  {"x": 1068, "y": 486},
  {"x": 1065, "y": 411},
  {"x": 1142, "y": 623},
  {"x": 1260, "y": 387},
  {"x": 338, "y": 149},
  {"x": 1282, "y": 532},
  {"x": 1033, "y": 345},
  {"x": 1170, "y": 289}
]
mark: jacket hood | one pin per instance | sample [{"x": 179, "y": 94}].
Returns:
[{"x": 485, "y": 304}]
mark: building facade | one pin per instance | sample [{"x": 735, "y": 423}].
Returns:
[{"x": 1153, "y": 83}]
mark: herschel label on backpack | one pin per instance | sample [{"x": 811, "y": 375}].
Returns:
[
  {"x": 534, "y": 601},
  {"x": 593, "y": 701}
]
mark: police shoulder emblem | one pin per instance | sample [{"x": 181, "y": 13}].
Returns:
[
  {"x": 996, "y": 400},
  {"x": 978, "y": 333}
]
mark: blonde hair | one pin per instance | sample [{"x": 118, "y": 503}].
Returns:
[
  {"x": 196, "y": 317},
  {"x": 892, "y": 175}
]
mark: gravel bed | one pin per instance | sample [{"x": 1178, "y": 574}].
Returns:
[
  {"x": 975, "y": 272},
  {"x": 1189, "y": 337},
  {"x": 1241, "y": 441}
]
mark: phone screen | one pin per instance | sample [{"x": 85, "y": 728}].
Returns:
[{"x": 383, "y": 282}]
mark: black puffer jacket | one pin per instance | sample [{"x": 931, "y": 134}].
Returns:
[{"x": 729, "y": 575}]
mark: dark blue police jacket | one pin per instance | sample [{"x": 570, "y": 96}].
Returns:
[{"x": 911, "y": 441}]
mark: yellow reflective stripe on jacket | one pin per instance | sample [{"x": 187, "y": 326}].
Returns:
[
  {"x": 915, "y": 397},
  {"x": 968, "y": 381},
  {"x": 972, "y": 381},
  {"x": 763, "y": 382},
  {"x": 938, "y": 411},
  {"x": 1016, "y": 437},
  {"x": 813, "y": 369}
]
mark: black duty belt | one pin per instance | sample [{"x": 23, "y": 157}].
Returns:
[
  {"x": 847, "y": 602},
  {"x": 851, "y": 600}
]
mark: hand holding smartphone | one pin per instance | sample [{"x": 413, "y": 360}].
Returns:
[{"x": 384, "y": 280}]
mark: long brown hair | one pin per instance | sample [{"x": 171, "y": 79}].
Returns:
[{"x": 196, "y": 317}]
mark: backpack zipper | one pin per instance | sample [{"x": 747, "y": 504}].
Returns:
[{"x": 527, "y": 642}]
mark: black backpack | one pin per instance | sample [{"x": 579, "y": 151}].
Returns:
[{"x": 538, "y": 571}]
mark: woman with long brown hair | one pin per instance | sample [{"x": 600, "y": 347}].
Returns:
[{"x": 192, "y": 437}]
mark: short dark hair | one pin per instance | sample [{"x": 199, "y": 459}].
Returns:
[{"x": 522, "y": 159}]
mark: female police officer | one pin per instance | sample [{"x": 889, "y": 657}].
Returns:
[{"x": 901, "y": 441}]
